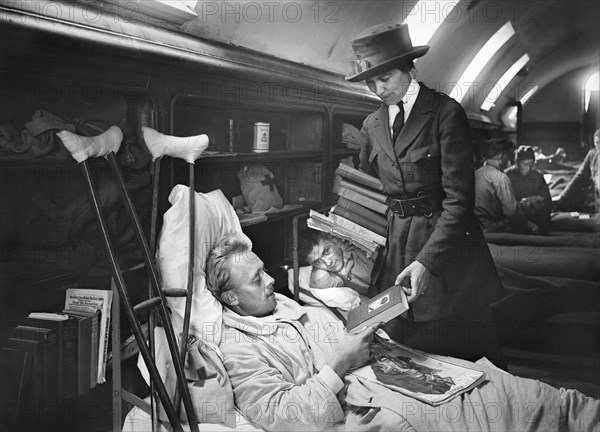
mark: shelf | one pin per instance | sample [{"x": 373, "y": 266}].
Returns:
[
  {"x": 261, "y": 157},
  {"x": 304, "y": 207},
  {"x": 345, "y": 152}
]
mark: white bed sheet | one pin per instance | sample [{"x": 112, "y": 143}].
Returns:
[{"x": 139, "y": 421}]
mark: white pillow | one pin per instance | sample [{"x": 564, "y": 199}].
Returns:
[
  {"x": 343, "y": 298},
  {"x": 214, "y": 217}
]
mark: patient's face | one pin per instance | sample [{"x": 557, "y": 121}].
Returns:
[
  {"x": 526, "y": 166},
  {"x": 254, "y": 287},
  {"x": 327, "y": 255}
]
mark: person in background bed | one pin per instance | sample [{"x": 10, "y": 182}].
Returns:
[
  {"x": 530, "y": 189},
  {"x": 289, "y": 367},
  {"x": 495, "y": 202},
  {"x": 418, "y": 143},
  {"x": 587, "y": 174},
  {"x": 335, "y": 263}
]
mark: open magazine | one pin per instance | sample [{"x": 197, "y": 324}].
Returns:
[{"x": 416, "y": 374}]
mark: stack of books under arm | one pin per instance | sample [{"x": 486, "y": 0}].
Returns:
[{"x": 360, "y": 215}]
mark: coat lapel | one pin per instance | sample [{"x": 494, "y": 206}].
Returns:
[
  {"x": 381, "y": 140},
  {"x": 418, "y": 118}
]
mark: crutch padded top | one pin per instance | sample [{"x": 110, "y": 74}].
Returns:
[
  {"x": 83, "y": 148},
  {"x": 186, "y": 148}
]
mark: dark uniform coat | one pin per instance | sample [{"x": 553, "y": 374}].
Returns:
[{"x": 433, "y": 153}]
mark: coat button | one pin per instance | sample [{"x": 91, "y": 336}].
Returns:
[
  {"x": 468, "y": 233},
  {"x": 428, "y": 155}
]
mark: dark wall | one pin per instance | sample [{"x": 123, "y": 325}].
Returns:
[{"x": 552, "y": 117}]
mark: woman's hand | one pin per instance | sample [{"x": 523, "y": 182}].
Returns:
[{"x": 418, "y": 277}]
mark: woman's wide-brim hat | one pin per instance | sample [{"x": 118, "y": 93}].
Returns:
[{"x": 380, "y": 48}]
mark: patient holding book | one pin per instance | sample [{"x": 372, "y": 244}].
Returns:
[{"x": 297, "y": 368}]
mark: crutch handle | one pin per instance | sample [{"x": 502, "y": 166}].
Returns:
[
  {"x": 186, "y": 148},
  {"x": 83, "y": 148}
]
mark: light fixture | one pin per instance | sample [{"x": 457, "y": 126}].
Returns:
[
  {"x": 504, "y": 80},
  {"x": 483, "y": 56}
]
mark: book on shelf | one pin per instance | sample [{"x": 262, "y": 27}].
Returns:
[
  {"x": 359, "y": 220},
  {"x": 363, "y": 190},
  {"x": 49, "y": 352},
  {"x": 382, "y": 308},
  {"x": 357, "y": 229},
  {"x": 15, "y": 371},
  {"x": 363, "y": 200},
  {"x": 431, "y": 379},
  {"x": 38, "y": 386},
  {"x": 321, "y": 222},
  {"x": 347, "y": 172},
  {"x": 92, "y": 300},
  {"x": 66, "y": 337},
  {"x": 87, "y": 349}
]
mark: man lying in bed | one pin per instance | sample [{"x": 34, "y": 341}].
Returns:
[{"x": 288, "y": 366}]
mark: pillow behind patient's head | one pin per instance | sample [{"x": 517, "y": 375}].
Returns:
[{"x": 214, "y": 217}]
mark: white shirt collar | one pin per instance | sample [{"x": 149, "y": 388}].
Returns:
[{"x": 408, "y": 100}]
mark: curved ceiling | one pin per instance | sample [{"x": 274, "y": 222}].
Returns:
[{"x": 558, "y": 35}]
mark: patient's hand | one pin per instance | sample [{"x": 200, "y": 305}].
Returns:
[
  {"x": 348, "y": 264},
  {"x": 354, "y": 350}
]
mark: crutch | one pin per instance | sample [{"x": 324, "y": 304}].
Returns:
[
  {"x": 106, "y": 145},
  {"x": 189, "y": 149}
]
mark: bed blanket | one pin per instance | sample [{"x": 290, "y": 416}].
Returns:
[
  {"x": 531, "y": 406},
  {"x": 555, "y": 239},
  {"x": 565, "y": 262}
]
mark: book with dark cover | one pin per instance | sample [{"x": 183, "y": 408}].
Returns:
[
  {"x": 362, "y": 211},
  {"x": 382, "y": 308},
  {"x": 15, "y": 371},
  {"x": 49, "y": 352},
  {"x": 66, "y": 331},
  {"x": 373, "y": 194},
  {"x": 360, "y": 177},
  {"x": 38, "y": 388},
  {"x": 87, "y": 337},
  {"x": 363, "y": 200}
]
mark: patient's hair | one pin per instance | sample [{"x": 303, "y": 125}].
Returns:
[
  {"x": 308, "y": 241},
  {"x": 305, "y": 246},
  {"x": 218, "y": 275}
]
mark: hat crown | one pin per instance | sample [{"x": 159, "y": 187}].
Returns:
[
  {"x": 382, "y": 46},
  {"x": 389, "y": 40}
]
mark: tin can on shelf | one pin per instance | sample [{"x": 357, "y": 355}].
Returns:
[{"x": 261, "y": 138}]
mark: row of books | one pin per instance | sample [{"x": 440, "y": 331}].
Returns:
[
  {"x": 360, "y": 214},
  {"x": 48, "y": 358}
]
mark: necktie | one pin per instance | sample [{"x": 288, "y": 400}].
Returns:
[{"x": 398, "y": 122}]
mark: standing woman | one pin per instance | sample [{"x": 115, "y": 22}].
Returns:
[{"x": 418, "y": 143}]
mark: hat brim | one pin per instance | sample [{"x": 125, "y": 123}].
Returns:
[{"x": 417, "y": 52}]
